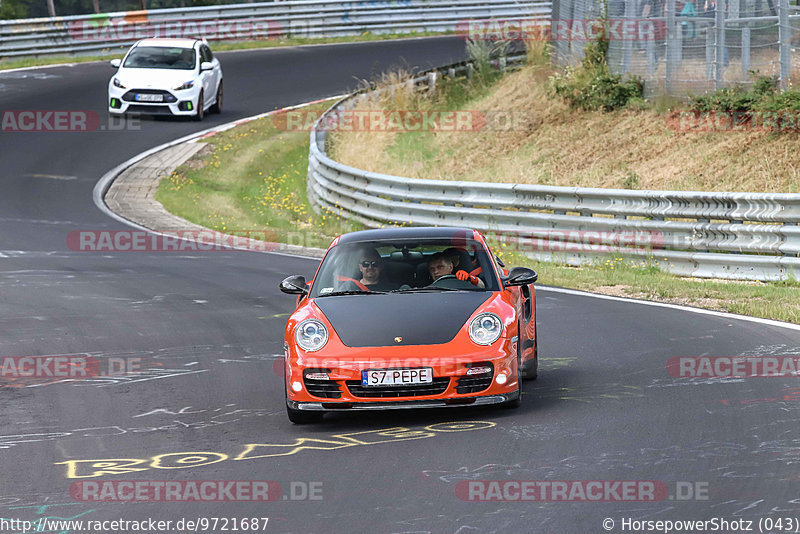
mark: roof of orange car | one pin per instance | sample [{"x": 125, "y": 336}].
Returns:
[{"x": 414, "y": 232}]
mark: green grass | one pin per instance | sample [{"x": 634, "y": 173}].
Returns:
[
  {"x": 644, "y": 280},
  {"x": 217, "y": 46},
  {"x": 252, "y": 179}
]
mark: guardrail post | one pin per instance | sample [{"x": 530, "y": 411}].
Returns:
[
  {"x": 562, "y": 10},
  {"x": 652, "y": 61},
  {"x": 670, "y": 48},
  {"x": 470, "y": 71},
  {"x": 432, "y": 82},
  {"x": 501, "y": 63},
  {"x": 451, "y": 72},
  {"x": 745, "y": 51},
  {"x": 719, "y": 56},
  {"x": 785, "y": 37},
  {"x": 709, "y": 53},
  {"x": 627, "y": 46}
]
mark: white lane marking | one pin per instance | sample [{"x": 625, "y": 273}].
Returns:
[
  {"x": 52, "y": 176},
  {"x": 725, "y": 315},
  {"x": 34, "y": 75},
  {"x": 37, "y": 221}
]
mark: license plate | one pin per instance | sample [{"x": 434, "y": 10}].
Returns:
[
  {"x": 396, "y": 377},
  {"x": 149, "y": 98}
]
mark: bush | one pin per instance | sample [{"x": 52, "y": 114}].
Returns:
[
  {"x": 592, "y": 86},
  {"x": 786, "y": 101},
  {"x": 734, "y": 98},
  {"x": 763, "y": 95}
]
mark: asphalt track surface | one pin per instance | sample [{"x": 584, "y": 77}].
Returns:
[{"x": 208, "y": 327}]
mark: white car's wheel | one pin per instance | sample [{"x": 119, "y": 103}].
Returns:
[
  {"x": 217, "y": 107},
  {"x": 200, "y": 112}
]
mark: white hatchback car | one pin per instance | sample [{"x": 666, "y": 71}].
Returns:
[{"x": 166, "y": 77}]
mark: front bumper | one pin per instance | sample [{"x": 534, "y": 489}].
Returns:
[
  {"x": 451, "y": 384},
  {"x": 121, "y": 101},
  {"x": 404, "y": 405}
]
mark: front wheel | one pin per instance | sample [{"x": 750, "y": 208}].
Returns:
[
  {"x": 531, "y": 367},
  {"x": 217, "y": 107},
  {"x": 200, "y": 112},
  {"x": 516, "y": 403}
]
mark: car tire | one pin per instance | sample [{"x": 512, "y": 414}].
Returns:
[
  {"x": 531, "y": 367},
  {"x": 516, "y": 403},
  {"x": 217, "y": 107},
  {"x": 200, "y": 112}
]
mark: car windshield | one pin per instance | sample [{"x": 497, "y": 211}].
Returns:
[
  {"x": 405, "y": 266},
  {"x": 160, "y": 57}
]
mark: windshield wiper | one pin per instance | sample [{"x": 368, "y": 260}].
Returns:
[{"x": 353, "y": 292}]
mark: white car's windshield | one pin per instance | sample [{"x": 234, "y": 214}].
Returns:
[
  {"x": 400, "y": 265},
  {"x": 160, "y": 57}
]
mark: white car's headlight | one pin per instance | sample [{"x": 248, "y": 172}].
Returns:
[
  {"x": 118, "y": 83},
  {"x": 185, "y": 85},
  {"x": 311, "y": 335},
  {"x": 485, "y": 329}
]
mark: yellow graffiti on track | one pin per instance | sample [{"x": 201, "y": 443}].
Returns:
[{"x": 252, "y": 451}]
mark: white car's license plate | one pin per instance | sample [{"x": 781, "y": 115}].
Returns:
[
  {"x": 149, "y": 98},
  {"x": 396, "y": 377}
]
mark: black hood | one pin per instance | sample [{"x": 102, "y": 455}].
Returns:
[{"x": 418, "y": 318}]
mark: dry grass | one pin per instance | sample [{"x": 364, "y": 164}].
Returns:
[{"x": 551, "y": 144}]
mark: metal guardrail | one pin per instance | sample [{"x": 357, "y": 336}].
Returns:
[
  {"x": 267, "y": 20},
  {"x": 749, "y": 236}
]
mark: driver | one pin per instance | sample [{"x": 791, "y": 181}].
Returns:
[{"x": 442, "y": 265}]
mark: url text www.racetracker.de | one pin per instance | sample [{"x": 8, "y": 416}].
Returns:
[{"x": 149, "y": 525}]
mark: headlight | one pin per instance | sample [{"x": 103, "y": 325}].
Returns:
[
  {"x": 118, "y": 83},
  {"x": 485, "y": 329},
  {"x": 185, "y": 85},
  {"x": 311, "y": 335}
]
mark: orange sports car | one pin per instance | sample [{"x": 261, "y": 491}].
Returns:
[{"x": 409, "y": 318}]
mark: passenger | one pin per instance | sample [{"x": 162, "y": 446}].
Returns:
[
  {"x": 372, "y": 271},
  {"x": 441, "y": 265}
]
